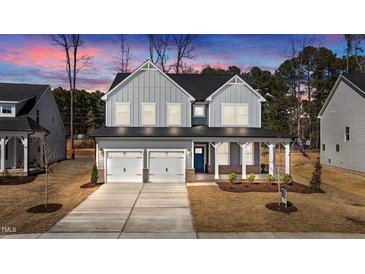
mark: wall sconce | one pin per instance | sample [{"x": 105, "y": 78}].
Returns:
[{"x": 188, "y": 153}]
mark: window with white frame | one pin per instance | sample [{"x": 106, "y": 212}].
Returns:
[
  {"x": 249, "y": 154},
  {"x": 7, "y": 110},
  {"x": 148, "y": 114},
  {"x": 234, "y": 114},
  {"x": 122, "y": 114},
  {"x": 199, "y": 110},
  {"x": 173, "y": 114},
  {"x": 223, "y": 154},
  {"x": 347, "y": 134}
]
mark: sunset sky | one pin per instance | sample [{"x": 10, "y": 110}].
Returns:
[{"x": 33, "y": 58}]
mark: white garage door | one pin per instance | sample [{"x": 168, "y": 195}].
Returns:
[
  {"x": 124, "y": 166},
  {"x": 167, "y": 166}
]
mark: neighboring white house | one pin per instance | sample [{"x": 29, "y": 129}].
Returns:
[
  {"x": 167, "y": 127},
  {"x": 343, "y": 124},
  {"x": 27, "y": 113}
]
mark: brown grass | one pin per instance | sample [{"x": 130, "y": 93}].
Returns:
[
  {"x": 64, "y": 188},
  {"x": 340, "y": 209}
]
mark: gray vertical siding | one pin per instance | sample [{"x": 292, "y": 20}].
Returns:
[
  {"x": 346, "y": 108},
  {"x": 149, "y": 86},
  {"x": 200, "y": 120},
  {"x": 236, "y": 94}
]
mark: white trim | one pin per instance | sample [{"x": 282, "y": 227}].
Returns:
[
  {"x": 344, "y": 137},
  {"x": 12, "y": 110},
  {"x": 168, "y": 114},
  {"x": 229, "y": 152},
  {"x": 129, "y": 113},
  {"x": 200, "y": 106},
  {"x": 233, "y": 79},
  {"x": 142, "y": 113},
  {"x": 150, "y": 66},
  {"x": 235, "y": 118}
]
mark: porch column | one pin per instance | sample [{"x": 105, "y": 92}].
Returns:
[
  {"x": 243, "y": 159},
  {"x": 25, "y": 143},
  {"x": 216, "y": 166},
  {"x": 2, "y": 144},
  {"x": 97, "y": 154},
  {"x": 271, "y": 159},
  {"x": 14, "y": 152},
  {"x": 192, "y": 154},
  {"x": 287, "y": 158}
]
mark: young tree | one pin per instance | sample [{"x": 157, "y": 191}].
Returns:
[
  {"x": 71, "y": 43},
  {"x": 184, "y": 49},
  {"x": 124, "y": 54}
]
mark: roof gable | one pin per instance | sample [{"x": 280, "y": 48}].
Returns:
[
  {"x": 122, "y": 78},
  {"x": 357, "y": 83}
]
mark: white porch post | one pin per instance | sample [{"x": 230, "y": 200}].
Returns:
[
  {"x": 97, "y": 154},
  {"x": 25, "y": 143},
  {"x": 216, "y": 166},
  {"x": 287, "y": 158},
  {"x": 2, "y": 143},
  {"x": 243, "y": 159},
  {"x": 271, "y": 159},
  {"x": 14, "y": 152},
  {"x": 192, "y": 154}
]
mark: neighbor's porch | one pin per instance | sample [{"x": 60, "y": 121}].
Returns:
[
  {"x": 20, "y": 152},
  {"x": 215, "y": 158}
]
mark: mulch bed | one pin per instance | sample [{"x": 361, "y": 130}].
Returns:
[
  {"x": 279, "y": 207},
  {"x": 264, "y": 187},
  {"x": 43, "y": 209},
  {"x": 16, "y": 180},
  {"x": 90, "y": 185}
]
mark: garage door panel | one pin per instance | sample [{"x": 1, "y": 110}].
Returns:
[
  {"x": 124, "y": 166},
  {"x": 167, "y": 166}
]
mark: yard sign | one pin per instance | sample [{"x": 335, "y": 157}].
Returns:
[{"x": 283, "y": 196}]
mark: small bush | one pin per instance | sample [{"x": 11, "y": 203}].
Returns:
[
  {"x": 94, "y": 175},
  {"x": 287, "y": 179},
  {"x": 270, "y": 178},
  {"x": 232, "y": 177},
  {"x": 251, "y": 178},
  {"x": 316, "y": 177}
]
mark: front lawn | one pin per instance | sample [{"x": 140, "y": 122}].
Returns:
[{"x": 64, "y": 189}]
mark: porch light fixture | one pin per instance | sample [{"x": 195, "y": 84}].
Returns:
[{"x": 188, "y": 153}]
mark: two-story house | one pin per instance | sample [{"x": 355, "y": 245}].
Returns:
[
  {"x": 166, "y": 127},
  {"x": 29, "y": 115},
  {"x": 343, "y": 124}
]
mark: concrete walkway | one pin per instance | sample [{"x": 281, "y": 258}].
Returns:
[{"x": 129, "y": 210}]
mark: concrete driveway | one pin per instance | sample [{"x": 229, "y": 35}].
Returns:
[{"x": 130, "y": 210}]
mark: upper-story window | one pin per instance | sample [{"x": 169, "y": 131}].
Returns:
[
  {"x": 148, "y": 114},
  {"x": 173, "y": 114},
  {"x": 347, "y": 134},
  {"x": 122, "y": 114},
  {"x": 234, "y": 114},
  {"x": 7, "y": 110},
  {"x": 199, "y": 111}
]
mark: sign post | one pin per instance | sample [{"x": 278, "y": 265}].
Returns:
[{"x": 283, "y": 196}]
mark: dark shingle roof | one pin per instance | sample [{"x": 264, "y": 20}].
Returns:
[
  {"x": 19, "y": 92},
  {"x": 20, "y": 123},
  {"x": 200, "y": 86},
  {"x": 358, "y": 79},
  {"x": 198, "y": 131}
]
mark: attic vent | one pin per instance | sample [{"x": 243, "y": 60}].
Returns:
[{"x": 332, "y": 112}]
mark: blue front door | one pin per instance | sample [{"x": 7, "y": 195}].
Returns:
[{"x": 199, "y": 159}]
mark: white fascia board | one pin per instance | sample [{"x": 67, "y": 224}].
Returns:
[
  {"x": 330, "y": 96},
  {"x": 141, "y": 67},
  {"x": 261, "y": 98}
]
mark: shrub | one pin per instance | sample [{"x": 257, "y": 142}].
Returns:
[
  {"x": 232, "y": 177},
  {"x": 251, "y": 178},
  {"x": 316, "y": 176},
  {"x": 287, "y": 179},
  {"x": 94, "y": 175},
  {"x": 270, "y": 178}
]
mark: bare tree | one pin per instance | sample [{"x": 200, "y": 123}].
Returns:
[
  {"x": 47, "y": 159},
  {"x": 158, "y": 46},
  {"x": 71, "y": 43},
  {"x": 184, "y": 48},
  {"x": 124, "y": 54},
  {"x": 354, "y": 50}
]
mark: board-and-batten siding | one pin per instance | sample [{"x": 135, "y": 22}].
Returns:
[
  {"x": 346, "y": 108},
  {"x": 149, "y": 86},
  {"x": 236, "y": 94}
]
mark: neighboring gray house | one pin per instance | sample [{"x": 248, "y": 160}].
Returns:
[
  {"x": 343, "y": 124},
  {"x": 167, "y": 127},
  {"x": 27, "y": 113}
]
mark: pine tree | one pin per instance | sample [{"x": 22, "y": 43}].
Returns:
[
  {"x": 94, "y": 175},
  {"x": 316, "y": 177}
]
